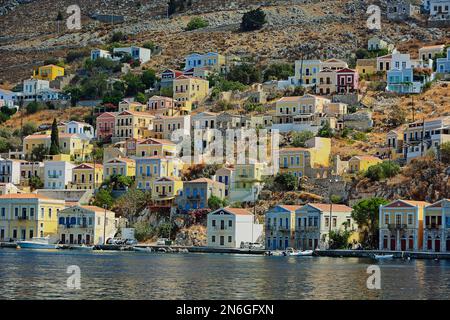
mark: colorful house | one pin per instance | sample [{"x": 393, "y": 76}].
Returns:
[
  {"x": 196, "y": 193},
  {"x": 88, "y": 225},
  {"x": 347, "y": 80},
  {"x": 132, "y": 124},
  {"x": 105, "y": 124},
  {"x": 429, "y": 52},
  {"x": 24, "y": 216},
  {"x": 288, "y": 109},
  {"x": 119, "y": 166},
  {"x": 151, "y": 168},
  {"x": 190, "y": 89},
  {"x": 211, "y": 60},
  {"x": 436, "y": 235},
  {"x": 306, "y": 72},
  {"x": 314, "y": 221},
  {"x": 280, "y": 227},
  {"x": 443, "y": 64},
  {"x": 49, "y": 72},
  {"x": 401, "y": 225},
  {"x": 366, "y": 66},
  {"x": 248, "y": 180},
  {"x": 226, "y": 176},
  {"x": 327, "y": 82},
  {"x": 164, "y": 127},
  {"x": 362, "y": 163},
  {"x": 155, "y": 147},
  {"x": 165, "y": 190},
  {"x": 84, "y": 176},
  {"x": 301, "y": 162}
]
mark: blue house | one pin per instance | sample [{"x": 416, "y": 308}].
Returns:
[{"x": 443, "y": 64}]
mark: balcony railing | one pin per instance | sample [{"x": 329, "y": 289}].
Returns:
[
  {"x": 397, "y": 226},
  {"x": 433, "y": 226},
  {"x": 220, "y": 228},
  {"x": 22, "y": 217},
  {"x": 307, "y": 229}
]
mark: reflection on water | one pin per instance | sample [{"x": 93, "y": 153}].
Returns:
[{"x": 26, "y": 274}]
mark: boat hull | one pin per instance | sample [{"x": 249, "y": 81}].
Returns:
[{"x": 33, "y": 245}]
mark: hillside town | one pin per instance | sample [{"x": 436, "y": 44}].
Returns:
[{"x": 221, "y": 153}]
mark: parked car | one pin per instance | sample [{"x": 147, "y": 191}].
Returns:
[
  {"x": 162, "y": 242},
  {"x": 131, "y": 242}
]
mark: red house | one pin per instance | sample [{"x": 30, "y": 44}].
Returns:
[
  {"x": 347, "y": 81},
  {"x": 105, "y": 125}
]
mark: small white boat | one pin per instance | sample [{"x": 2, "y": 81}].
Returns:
[
  {"x": 292, "y": 252},
  {"x": 383, "y": 256},
  {"x": 37, "y": 243},
  {"x": 143, "y": 249}
]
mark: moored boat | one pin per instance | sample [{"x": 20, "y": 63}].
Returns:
[
  {"x": 383, "y": 256},
  {"x": 37, "y": 243}
]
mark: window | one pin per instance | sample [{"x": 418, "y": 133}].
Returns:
[
  {"x": 334, "y": 222},
  {"x": 50, "y": 213},
  {"x": 386, "y": 219},
  {"x": 410, "y": 219},
  {"x": 230, "y": 223},
  {"x": 213, "y": 239},
  {"x": 230, "y": 239},
  {"x": 213, "y": 222}
]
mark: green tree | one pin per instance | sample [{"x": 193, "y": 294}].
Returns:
[
  {"x": 215, "y": 203},
  {"x": 365, "y": 213},
  {"x": 29, "y": 128},
  {"x": 149, "y": 78},
  {"x": 132, "y": 203},
  {"x": 245, "y": 73},
  {"x": 383, "y": 170},
  {"x": 445, "y": 152},
  {"x": 141, "y": 98},
  {"x": 196, "y": 23},
  {"x": 325, "y": 131},
  {"x": 103, "y": 197},
  {"x": 278, "y": 71},
  {"x": 36, "y": 183},
  {"x": 142, "y": 231},
  {"x": 4, "y": 145},
  {"x": 149, "y": 45},
  {"x": 118, "y": 36},
  {"x": 133, "y": 84},
  {"x": 285, "y": 182},
  {"x": 339, "y": 239},
  {"x": 253, "y": 20},
  {"x": 54, "y": 139},
  {"x": 34, "y": 107},
  {"x": 299, "y": 138},
  {"x": 39, "y": 152}
]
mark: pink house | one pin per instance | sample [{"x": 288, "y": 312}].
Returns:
[
  {"x": 158, "y": 103},
  {"x": 105, "y": 125},
  {"x": 347, "y": 80}
]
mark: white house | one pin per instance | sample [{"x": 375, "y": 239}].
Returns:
[
  {"x": 440, "y": 9},
  {"x": 7, "y": 98},
  {"x": 137, "y": 53},
  {"x": 99, "y": 53},
  {"x": 10, "y": 170},
  {"x": 229, "y": 227},
  {"x": 57, "y": 174},
  {"x": 81, "y": 128},
  {"x": 211, "y": 60},
  {"x": 37, "y": 89}
]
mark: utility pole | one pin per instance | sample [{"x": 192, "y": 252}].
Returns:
[{"x": 104, "y": 225}]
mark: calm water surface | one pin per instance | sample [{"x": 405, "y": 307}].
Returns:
[{"x": 27, "y": 274}]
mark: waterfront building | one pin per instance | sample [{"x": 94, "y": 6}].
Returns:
[
  {"x": 88, "y": 225},
  {"x": 27, "y": 215},
  {"x": 401, "y": 225},
  {"x": 196, "y": 193},
  {"x": 231, "y": 227},
  {"x": 280, "y": 227},
  {"x": 312, "y": 224},
  {"x": 436, "y": 234}
]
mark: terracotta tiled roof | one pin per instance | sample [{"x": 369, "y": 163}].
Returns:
[
  {"x": 326, "y": 207},
  {"x": 237, "y": 211},
  {"x": 95, "y": 208},
  {"x": 290, "y": 207},
  {"x": 25, "y": 196}
]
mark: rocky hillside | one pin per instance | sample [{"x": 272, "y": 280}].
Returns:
[{"x": 308, "y": 28}]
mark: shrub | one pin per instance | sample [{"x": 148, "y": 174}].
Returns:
[
  {"x": 253, "y": 20},
  {"x": 299, "y": 138},
  {"x": 103, "y": 197},
  {"x": 34, "y": 107},
  {"x": 245, "y": 73},
  {"x": 196, "y": 23},
  {"x": 118, "y": 36},
  {"x": 383, "y": 170},
  {"x": 278, "y": 71},
  {"x": 325, "y": 131},
  {"x": 445, "y": 152}
]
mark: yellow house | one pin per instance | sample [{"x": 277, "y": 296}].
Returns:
[
  {"x": 165, "y": 190},
  {"x": 132, "y": 124},
  {"x": 302, "y": 161},
  {"x": 190, "y": 89},
  {"x": 27, "y": 215},
  {"x": 119, "y": 166},
  {"x": 86, "y": 225},
  {"x": 362, "y": 163},
  {"x": 401, "y": 225},
  {"x": 306, "y": 71},
  {"x": 366, "y": 66},
  {"x": 85, "y": 177},
  {"x": 155, "y": 147},
  {"x": 290, "y": 108},
  {"x": 49, "y": 72},
  {"x": 131, "y": 106},
  {"x": 150, "y": 169},
  {"x": 78, "y": 147}
]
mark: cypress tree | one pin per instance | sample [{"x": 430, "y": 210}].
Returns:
[{"x": 54, "y": 146}]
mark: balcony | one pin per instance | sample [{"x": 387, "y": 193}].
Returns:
[
  {"x": 433, "y": 226},
  {"x": 219, "y": 228},
  {"x": 193, "y": 197},
  {"x": 22, "y": 217},
  {"x": 397, "y": 226},
  {"x": 53, "y": 176},
  {"x": 307, "y": 229}
]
